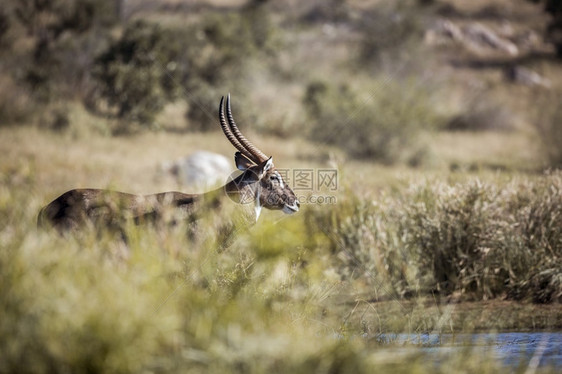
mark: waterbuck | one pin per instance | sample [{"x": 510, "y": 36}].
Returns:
[{"x": 258, "y": 184}]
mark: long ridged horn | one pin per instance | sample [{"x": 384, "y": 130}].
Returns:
[
  {"x": 229, "y": 135},
  {"x": 257, "y": 155}
]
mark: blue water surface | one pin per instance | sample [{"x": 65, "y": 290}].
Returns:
[{"x": 536, "y": 349}]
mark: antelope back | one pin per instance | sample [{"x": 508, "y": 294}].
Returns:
[{"x": 109, "y": 209}]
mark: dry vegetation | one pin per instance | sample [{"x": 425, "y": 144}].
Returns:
[{"x": 449, "y": 204}]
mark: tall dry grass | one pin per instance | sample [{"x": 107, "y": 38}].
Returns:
[{"x": 473, "y": 240}]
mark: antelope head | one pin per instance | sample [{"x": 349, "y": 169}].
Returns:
[{"x": 259, "y": 182}]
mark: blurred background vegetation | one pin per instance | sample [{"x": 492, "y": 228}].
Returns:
[
  {"x": 442, "y": 117},
  {"x": 369, "y": 77}
]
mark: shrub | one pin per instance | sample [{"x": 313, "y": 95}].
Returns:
[
  {"x": 382, "y": 122},
  {"x": 452, "y": 235},
  {"x": 65, "y": 35},
  {"x": 151, "y": 65},
  {"x": 136, "y": 75},
  {"x": 225, "y": 51},
  {"x": 476, "y": 240}
]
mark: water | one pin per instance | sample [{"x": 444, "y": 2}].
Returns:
[{"x": 532, "y": 349}]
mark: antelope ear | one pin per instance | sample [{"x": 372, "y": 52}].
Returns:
[
  {"x": 265, "y": 166},
  {"x": 242, "y": 162}
]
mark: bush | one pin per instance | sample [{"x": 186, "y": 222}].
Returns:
[
  {"x": 222, "y": 58},
  {"x": 475, "y": 240},
  {"x": 151, "y": 65},
  {"x": 137, "y": 74},
  {"x": 61, "y": 49},
  {"x": 383, "y": 122},
  {"x": 65, "y": 35}
]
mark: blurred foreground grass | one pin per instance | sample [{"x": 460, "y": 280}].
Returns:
[{"x": 299, "y": 294}]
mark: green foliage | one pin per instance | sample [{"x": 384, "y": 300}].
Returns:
[
  {"x": 221, "y": 58},
  {"x": 382, "y": 122},
  {"x": 135, "y": 74},
  {"x": 235, "y": 36},
  {"x": 66, "y": 35},
  {"x": 151, "y": 65},
  {"x": 475, "y": 239}
]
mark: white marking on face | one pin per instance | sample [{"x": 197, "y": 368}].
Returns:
[
  {"x": 257, "y": 208},
  {"x": 281, "y": 183}
]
